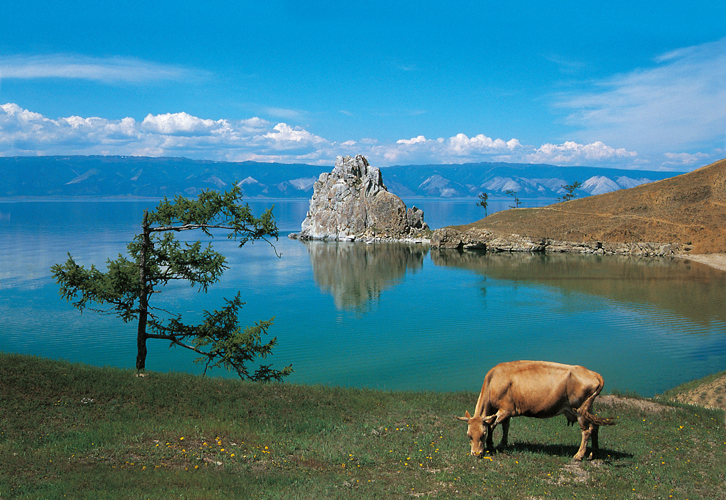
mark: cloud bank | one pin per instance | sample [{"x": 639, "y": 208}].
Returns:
[
  {"x": 24, "y": 132},
  {"x": 670, "y": 116}
]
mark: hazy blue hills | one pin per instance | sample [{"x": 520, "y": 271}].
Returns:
[{"x": 130, "y": 176}]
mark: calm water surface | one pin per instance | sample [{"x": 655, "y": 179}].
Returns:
[{"x": 382, "y": 316}]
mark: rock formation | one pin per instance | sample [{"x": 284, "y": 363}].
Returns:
[{"x": 351, "y": 203}]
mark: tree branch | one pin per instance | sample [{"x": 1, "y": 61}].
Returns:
[
  {"x": 176, "y": 341},
  {"x": 191, "y": 227},
  {"x": 160, "y": 336}
]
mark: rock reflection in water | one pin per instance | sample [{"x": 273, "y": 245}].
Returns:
[
  {"x": 680, "y": 286},
  {"x": 356, "y": 274}
]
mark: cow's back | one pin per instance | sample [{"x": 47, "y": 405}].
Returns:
[{"x": 539, "y": 389}]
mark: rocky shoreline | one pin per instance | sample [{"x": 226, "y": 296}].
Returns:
[
  {"x": 351, "y": 203},
  {"x": 486, "y": 240},
  {"x": 370, "y": 240},
  {"x": 483, "y": 240}
]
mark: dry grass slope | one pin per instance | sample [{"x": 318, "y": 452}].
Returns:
[
  {"x": 689, "y": 209},
  {"x": 709, "y": 392}
]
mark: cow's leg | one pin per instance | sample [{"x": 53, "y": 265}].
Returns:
[
  {"x": 593, "y": 437},
  {"x": 500, "y": 417},
  {"x": 587, "y": 429},
  {"x": 490, "y": 434},
  {"x": 505, "y": 433}
]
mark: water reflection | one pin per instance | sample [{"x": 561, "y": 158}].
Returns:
[
  {"x": 679, "y": 286},
  {"x": 645, "y": 324},
  {"x": 356, "y": 274}
]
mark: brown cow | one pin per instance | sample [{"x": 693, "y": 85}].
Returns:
[{"x": 539, "y": 389}]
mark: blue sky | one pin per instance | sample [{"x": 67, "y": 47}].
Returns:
[{"x": 617, "y": 84}]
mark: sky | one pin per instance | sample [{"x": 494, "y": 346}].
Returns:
[{"x": 611, "y": 84}]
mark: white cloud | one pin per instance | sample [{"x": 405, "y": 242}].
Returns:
[
  {"x": 16, "y": 117},
  {"x": 463, "y": 145},
  {"x": 414, "y": 140},
  {"x": 685, "y": 159},
  {"x": 457, "y": 149},
  {"x": 181, "y": 123},
  {"x": 679, "y": 104},
  {"x": 111, "y": 69},
  {"x": 24, "y": 132},
  {"x": 571, "y": 153},
  {"x": 284, "y": 136}
]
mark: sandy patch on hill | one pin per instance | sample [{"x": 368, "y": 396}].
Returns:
[
  {"x": 641, "y": 404},
  {"x": 715, "y": 260},
  {"x": 710, "y": 395}
]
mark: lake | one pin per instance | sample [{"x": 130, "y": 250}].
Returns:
[{"x": 387, "y": 316}]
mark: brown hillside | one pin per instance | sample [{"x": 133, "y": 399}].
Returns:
[{"x": 689, "y": 209}]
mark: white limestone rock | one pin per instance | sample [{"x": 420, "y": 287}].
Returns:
[{"x": 352, "y": 203}]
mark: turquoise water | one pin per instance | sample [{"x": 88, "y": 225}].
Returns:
[{"x": 382, "y": 316}]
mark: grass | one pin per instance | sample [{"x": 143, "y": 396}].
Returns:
[
  {"x": 694, "y": 384},
  {"x": 75, "y": 431}
]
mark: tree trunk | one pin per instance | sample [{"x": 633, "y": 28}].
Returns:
[{"x": 143, "y": 297}]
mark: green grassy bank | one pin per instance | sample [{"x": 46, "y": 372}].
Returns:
[{"x": 75, "y": 431}]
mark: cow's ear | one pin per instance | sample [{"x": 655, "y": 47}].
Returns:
[
  {"x": 490, "y": 420},
  {"x": 466, "y": 414}
]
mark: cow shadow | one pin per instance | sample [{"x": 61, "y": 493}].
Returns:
[{"x": 561, "y": 450}]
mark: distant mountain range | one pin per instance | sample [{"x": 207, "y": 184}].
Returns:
[{"x": 131, "y": 176}]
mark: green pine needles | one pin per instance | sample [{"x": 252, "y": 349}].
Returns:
[{"x": 156, "y": 258}]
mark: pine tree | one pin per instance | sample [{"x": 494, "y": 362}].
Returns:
[
  {"x": 483, "y": 197},
  {"x": 156, "y": 258}
]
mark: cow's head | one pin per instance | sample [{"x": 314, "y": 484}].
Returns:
[{"x": 478, "y": 428}]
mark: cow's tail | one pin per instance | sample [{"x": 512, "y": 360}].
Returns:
[
  {"x": 597, "y": 420},
  {"x": 587, "y": 405}
]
